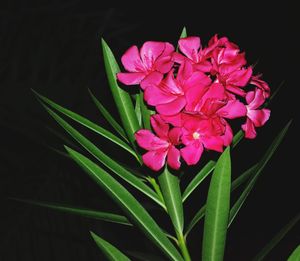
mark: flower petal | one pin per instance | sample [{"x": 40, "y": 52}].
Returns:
[
  {"x": 147, "y": 140},
  {"x": 165, "y": 62},
  {"x": 190, "y": 46},
  {"x": 155, "y": 96},
  {"x": 132, "y": 61},
  {"x": 175, "y": 135},
  {"x": 259, "y": 117},
  {"x": 155, "y": 160},
  {"x": 258, "y": 99},
  {"x": 233, "y": 109},
  {"x": 192, "y": 153},
  {"x": 150, "y": 51},
  {"x": 228, "y": 135},
  {"x": 240, "y": 77},
  {"x": 213, "y": 143},
  {"x": 159, "y": 126},
  {"x": 131, "y": 78},
  {"x": 249, "y": 129},
  {"x": 172, "y": 107},
  {"x": 153, "y": 78},
  {"x": 173, "y": 158}
]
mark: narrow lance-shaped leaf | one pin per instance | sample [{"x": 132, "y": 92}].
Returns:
[
  {"x": 110, "y": 251},
  {"x": 122, "y": 98},
  {"x": 217, "y": 210},
  {"x": 204, "y": 172},
  {"x": 146, "y": 113},
  {"x": 83, "y": 212},
  {"x": 89, "y": 124},
  {"x": 295, "y": 256},
  {"x": 170, "y": 189},
  {"x": 276, "y": 239},
  {"x": 133, "y": 209},
  {"x": 106, "y": 160},
  {"x": 262, "y": 163},
  {"x": 110, "y": 119},
  {"x": 137, "y": 109}
]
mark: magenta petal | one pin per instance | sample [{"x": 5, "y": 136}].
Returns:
[
  {"x": 155, "y": 96},
  {"x": 240, "y": 77},
  {"x": 178, "y": 58},
  {"x": 249, "y": 129},
  {"x": 174, "y": 120},
  {"x": 131, "y": 60},
  {"x": 130, "y": 78},
  {"x": 153, "y": 78},
  {"x": 235, "y": 90},
  {"x": 259, "y": 117},
  {"x": 155, "y": 160},
  {"x": 159, "y": 126},
  {"x": 173, "y": 107},
  {"x": 147, "y": 140},
  {"x": 204, "y": 66},
  {"x": 213, "y": 143},
  {"x": 173, "y": 158},
  {"x": 233, "y": 109},
  {"x": 175, "y": 135},
  {"x": 228, "y": 135},
  {"x": 257, "y": 100},
  {"x": 192, "y": 153},
  {"x": 150, "y": 51},
  {"x": 190, "y": 46}
]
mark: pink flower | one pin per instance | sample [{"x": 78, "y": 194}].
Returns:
[
  {"x": 161, "y": 146},
  {"x": 255, "y": 117},
  {"x": 147, "y": 66},
  {"x": 169, "y": 95},
  {"x": 255, "y": 80},
  {"x": 190, "y": 46},
  {"x": 215, "y": 102},
  {"x": 197, "y": 135}
]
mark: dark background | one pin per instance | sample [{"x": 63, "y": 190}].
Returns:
[{"x": 55, "y": 49}]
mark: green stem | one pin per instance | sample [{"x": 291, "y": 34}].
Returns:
[
  {"x": 157, "y": 189},
  {"x": 183, "y": 247}
]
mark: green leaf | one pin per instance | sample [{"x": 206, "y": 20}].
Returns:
[
  {"x": 183, "y": 33},
  {"x": 122, "y": 98},
  {"x": 196, "y": 181},
  {"x": 237, "y": 138},
  {"x": 83, "y": 212},
  {"x": 108, "y": 117},
  {"x": 276, "y": 239},
  {"x": 262, "y": 163},
  {"x": 144, "y": 256},
  {"x": 170, "y": 189},
  {"x": 110, "y": 251},
  {"x": 235, "y": 184},
  {"x": 217, "y": 210},
  {"x": 133, "y": 209},
  {"x": 87, "y": 123},
  {"x": 106, "y": 160},
  {"x": 295, "y": 256},
  {"x": 137, "y": 109},
  {"x": 146, "y": 113}
]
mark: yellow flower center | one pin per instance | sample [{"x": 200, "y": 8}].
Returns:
[{"x": 196, "y": 135}]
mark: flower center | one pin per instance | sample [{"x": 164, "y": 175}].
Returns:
[{"x": 196, "y": 135}]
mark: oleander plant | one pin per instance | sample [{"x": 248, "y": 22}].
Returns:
[{"x": 175, "y": 103}]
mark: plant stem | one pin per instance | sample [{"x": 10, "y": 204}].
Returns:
[{"x": 183, "y": 247}]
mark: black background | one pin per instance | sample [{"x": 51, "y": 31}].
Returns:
[{"x": 55, "y": 49}]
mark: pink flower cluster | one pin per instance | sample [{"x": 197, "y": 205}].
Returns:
[{"x": 195, "y": 93}]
